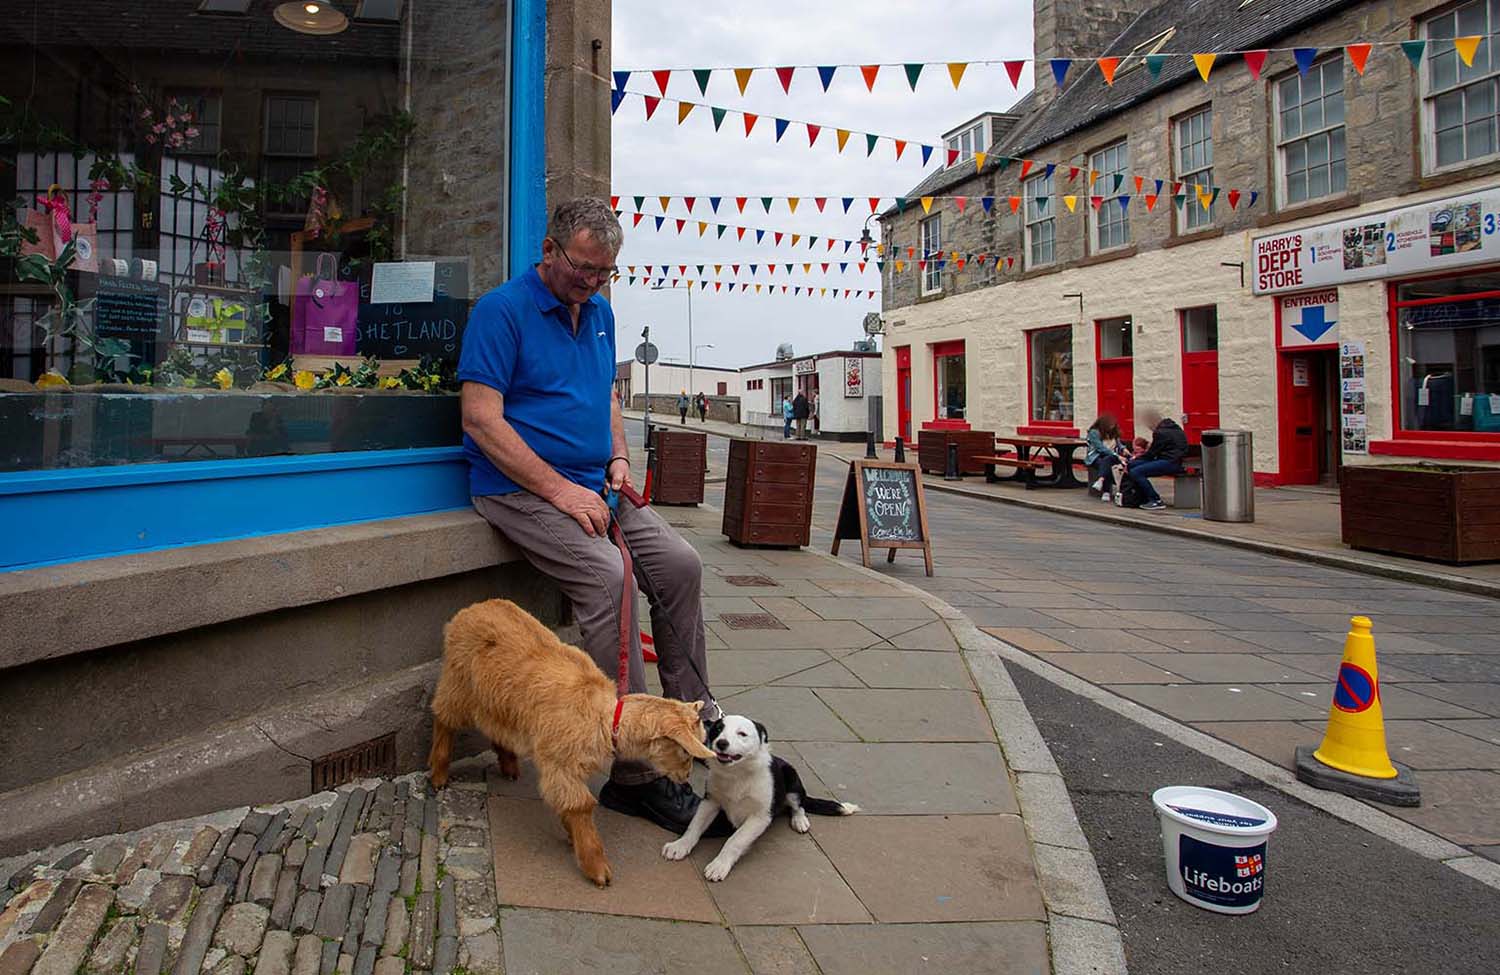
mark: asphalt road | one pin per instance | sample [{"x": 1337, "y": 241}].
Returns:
[{"x": 1338, "y": 899}]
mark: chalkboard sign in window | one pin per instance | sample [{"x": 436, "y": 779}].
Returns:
[
  {"x": 410, "y": 331},
  {"x": 884, "y": 507},
  {"x": 129, "y": 308}
]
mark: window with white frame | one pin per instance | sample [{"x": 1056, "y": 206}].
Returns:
[
  {"x": 1041, "y": 227},
  {"x": 291, "y": 143},
  {"x": 1195, "y": 168},
  {"x": 201, "y": 114},
  {"x": 932, "y": 252},
  {"x": 1310, "y": 133},
  {"x": 1459, "y": 101},
  {"x": 1110, "y": 224},
  {"x": 968, "y": 142}
]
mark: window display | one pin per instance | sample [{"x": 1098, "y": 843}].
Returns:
[
  {"x": 1051, "y": 361},
  {"x": 951, "y": 386},
  {"x": 1448, "y": 335},
  {"x": 199, "y": 204}
]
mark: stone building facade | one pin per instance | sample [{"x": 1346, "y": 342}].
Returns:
[{"x": 1179, "y": 284}]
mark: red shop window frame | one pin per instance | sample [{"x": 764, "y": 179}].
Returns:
[
  {"x": 1044, "y": 427},
  {"x": 939, "y": 350},
  {"x": 1436, "y": 444}
]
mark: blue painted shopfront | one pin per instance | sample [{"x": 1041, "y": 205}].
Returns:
[{"x": 57, "y": 516}]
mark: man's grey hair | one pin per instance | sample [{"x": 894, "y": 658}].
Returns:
[{"x": 586, "y": 213}]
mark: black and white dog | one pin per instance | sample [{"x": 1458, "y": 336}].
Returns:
[{"x": 752, "y": 787}]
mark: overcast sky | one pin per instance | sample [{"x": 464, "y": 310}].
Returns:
[{"x": 660, "y": 157}]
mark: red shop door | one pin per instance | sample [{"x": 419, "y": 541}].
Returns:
[
  {"x": 1307, "y": 447},
  {"x": 1117, "y": 392},
  {"x": 1200, "y": 393},
  {"x": 903, "y": 393}
]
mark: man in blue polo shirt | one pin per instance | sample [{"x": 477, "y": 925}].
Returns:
[{"x": 543, "y": 434}]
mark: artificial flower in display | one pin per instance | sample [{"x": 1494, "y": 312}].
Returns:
[
  {"x": 224, "y": 379},
  {"x": 277, "y": 372},
  {"x": 304, "y": 379},
  {"x": 51, "y": 378},
  {"x": 390, "y": 382}
]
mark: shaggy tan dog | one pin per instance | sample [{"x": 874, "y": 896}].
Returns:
[{"x": 538, "y": 698}]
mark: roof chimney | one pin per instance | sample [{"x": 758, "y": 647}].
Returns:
[{"x": 1077, "y": 29}]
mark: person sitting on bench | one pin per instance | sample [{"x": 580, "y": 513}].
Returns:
[{"x": 1168, "y": 446}]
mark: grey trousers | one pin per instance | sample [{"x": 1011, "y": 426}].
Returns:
[{"x": 588, "y": 568}]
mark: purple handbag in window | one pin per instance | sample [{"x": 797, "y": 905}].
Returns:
[{"x": 325, "y": 312}]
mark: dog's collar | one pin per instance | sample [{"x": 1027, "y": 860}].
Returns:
[{"x": 614, "y": 728}]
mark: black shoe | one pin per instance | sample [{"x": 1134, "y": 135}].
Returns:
[{"x": 666, "y": 803}]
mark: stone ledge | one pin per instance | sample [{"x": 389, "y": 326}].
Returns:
[
  {"x": 249, "y": 762},
  {"x": 60, "y": 610}
]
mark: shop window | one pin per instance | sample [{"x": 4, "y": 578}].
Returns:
[
  {"x": 1195, "y": 167},
  {"x": 232, "y": 201},
  {"x": 932, "y": 252},
  {"x": 1459, "y": 101},
  {"x": 1041, "y": 225},
  {"x": 1310, "y": 133},
  {"x": 1116, "y": 338},
  {"x": 1050, "y": 359},
  {"x": 1110, "y": 224},
  {"x": 1200, "y": 329},
  {"x": 1448, "y": 348},
  {"x": 950, "y": 381},
  {"x": 780, "y": 389}
]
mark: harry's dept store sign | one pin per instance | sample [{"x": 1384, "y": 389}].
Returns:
[{"x": 1430, "y": 237}]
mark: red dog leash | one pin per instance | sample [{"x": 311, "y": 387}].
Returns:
[{"x": 627, "y": 583}]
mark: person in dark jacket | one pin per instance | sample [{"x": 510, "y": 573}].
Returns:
[
  {"x": 800, "y": 410},
  {"x": 702, "y": 405},
  {"x": 1168, "y": 446}
]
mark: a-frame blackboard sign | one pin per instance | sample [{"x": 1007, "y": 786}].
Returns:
[{"x": 884, "y": 507}]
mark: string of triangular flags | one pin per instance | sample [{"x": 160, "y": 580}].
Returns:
[
  {"x": 749, "y": 120},
  {"x": 661, "y": 223},
  {"x": 746, "y": 287},
  {"x": 1148, "y": 190},
  {"x": 1108, "y": 65},
  {"x": 878, "y": 264}
]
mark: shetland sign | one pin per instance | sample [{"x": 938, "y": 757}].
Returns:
[{"x": 1448, "y": 233}]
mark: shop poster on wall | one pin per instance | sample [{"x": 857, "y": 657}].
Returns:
[
  {"x": 854, "y": 378},
  {"x": 1352, "y": 397},
  {"x": 1445, "y": 233}
]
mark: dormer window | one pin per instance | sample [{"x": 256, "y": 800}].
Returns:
[{"x": 969, "y": 141}]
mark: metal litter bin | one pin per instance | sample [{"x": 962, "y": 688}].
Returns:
[{"x": 1228, "y": 476}]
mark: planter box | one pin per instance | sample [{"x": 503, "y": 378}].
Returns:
[
  {"x": 1447, "y": 514},
  {"x": 932, "y": 449},
  {"x": 768, "y": 493},
  {"x": 677, "y": 466}
]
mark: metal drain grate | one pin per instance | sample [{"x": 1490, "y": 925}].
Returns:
[
  {"x": 374, "y": 757},
  {"x": 751, "y": 621},
  {"x": 751, "y": 581}
]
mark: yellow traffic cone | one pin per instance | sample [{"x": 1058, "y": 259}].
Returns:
[{"x": 1353, "y": 757}]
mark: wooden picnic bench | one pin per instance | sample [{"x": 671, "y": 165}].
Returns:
[{"x": 1036, "y": 453}]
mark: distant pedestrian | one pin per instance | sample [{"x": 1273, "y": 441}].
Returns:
[
  {"x": 682, "y": 407},
  {"x": 815, "y": 421},
  {"x": 786, "y": 418},
  {"x": 800, "y": 409},
  {"x": 702, "y": 408}
]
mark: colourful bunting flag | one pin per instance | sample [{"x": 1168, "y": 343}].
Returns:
[
  {"x": 765, "y": 201},
  {"x": 913, "y": 72},
  {"x": 926, "y": 204},
  {"x": 1154, "y": 63},
  {"x": 869, "y": 71},
  {"x": 843, "y": 136},
  {"x": 791, "y": 203},
  {"x": 651, "y": 104},
  {"x": 1205, "y": 63},
  {"x": 1305, "y": 57},
  {"x": 812, "y": 133},
  {"x": 785, "y": 76},
  {"x": 1107, "y": 68},
  {"x": 825, "y": 75},
  {"x": 781, "y": 127},
  {"x": 1015, "y": 203},
  {"x": 874, "y": 203},
  {"x": 689, "y": 202},
  {"x": 956, "y": 72},
  {"x": 960, "y": 202},
  {"x": 662, "y": 77},
  {"x": 1060, "y": 69},
  {"x": 952, "y": 156},
  {"x": 701, "y": 75},
  {"x": 1466, "y": 46},
  {"x": 750, "y": 120},
  {"x": 1255, "y": 60},
  {"x": 1358, "y": 55},
  {"x": 666, "y": 203},
  {"x": 1072, "y": 203},
  {"x": 1026, "y": 165},
  {"x": 1151, "y": 201},
  {"x": 926, "y": 154},
  {"x": 870, "y": 141},
  {"x": 616, "y": 96},
  {"x": 621, "y": 79},
  {"x": 900, "y": 148},
  {"x": 742, "y": 78},
  {"x": 1234, "y": 199},
  {"x": 739, "y": 201},
  {"x": 719, "y": 114},
  {"x": 1013, "y": 68},
  {"x": 819, "y": 201},
  {"x": 1413, "y": 51},
  {"x": 684, "y": 109},
  {"x": 979, "y": 158}
]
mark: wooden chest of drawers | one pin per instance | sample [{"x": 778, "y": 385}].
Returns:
[
  {"x": 677, "y": 466},
  {"x": 769, "y": 492}
]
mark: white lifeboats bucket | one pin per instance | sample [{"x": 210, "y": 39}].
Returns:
[{"x": 1215, "y": 847}]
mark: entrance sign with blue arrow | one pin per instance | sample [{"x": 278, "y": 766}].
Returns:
[{"x": 1310, "y": 319}]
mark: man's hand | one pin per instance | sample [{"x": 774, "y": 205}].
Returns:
[
  {"x": 583, "y": 506},
  {"x": 617, "y": 475}
]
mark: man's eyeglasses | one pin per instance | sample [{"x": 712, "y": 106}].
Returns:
[{"x": 585, "y": 270}]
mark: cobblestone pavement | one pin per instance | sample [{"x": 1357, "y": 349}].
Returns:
[
  {"x": 960, "y": 860},
  {"x": 377, "y": 878}
]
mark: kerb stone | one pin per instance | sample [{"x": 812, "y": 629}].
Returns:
[
  {"x": 200, "y": 930},
  {"x": 210, "y": 866},
  {"x": 276, "y": 954},
  {"x": 241, "y": 847},
  {"x": 447, "y": 922},
  {"x": 333, "y": 915},
  {"x": 263, "y": 879},
  {"x": 57, "y": 905}
]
